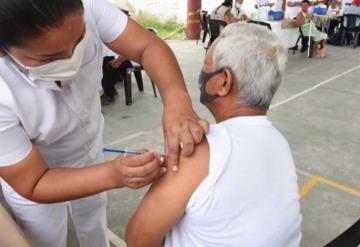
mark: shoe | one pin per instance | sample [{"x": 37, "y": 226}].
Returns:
[
  {"x": 106, "y": 100},
  {"x": 303, "y": 48}
]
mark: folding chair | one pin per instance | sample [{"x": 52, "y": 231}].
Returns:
[
  {"x": 136, "y": 69},
  {"x": 307, "y": 44},
  {"x": 265, "y": 24},
  {"x": 350, "y": 24},
  {"x": 215, "y": 27}
]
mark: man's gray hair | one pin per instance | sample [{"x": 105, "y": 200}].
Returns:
[{"x": 256, "y": 58}]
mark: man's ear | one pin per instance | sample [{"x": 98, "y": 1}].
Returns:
[{"x": 227, "y": 83}]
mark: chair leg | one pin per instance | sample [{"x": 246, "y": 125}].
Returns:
[
  {"x": 139, "y": 80},
  {"x": 205, "y": 32},
  {"x": 356, "y": 40},
  {"x": 154, "y": 88},
  {"x": 342, "y": 42},
  {"x": 127, "y": 86}
]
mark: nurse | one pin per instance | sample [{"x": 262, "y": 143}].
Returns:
[{"x": 50, "y": 118}]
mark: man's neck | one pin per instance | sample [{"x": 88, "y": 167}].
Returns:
[{"x": 238, "y": 111}]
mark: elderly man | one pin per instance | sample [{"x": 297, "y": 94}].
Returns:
[{"x": 240, "y": 186}]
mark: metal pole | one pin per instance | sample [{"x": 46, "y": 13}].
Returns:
[{"x": 309, "y": 42}]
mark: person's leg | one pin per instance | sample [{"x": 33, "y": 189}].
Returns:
[
  {"x": 109, "y": 78},
  {"x": 333, "y": 24},
  {"x": 45, "y": 225},
  {"x": 316, "y": 49},
  {"x": 89, "y": 217},
  {"x": 322, "y": 50}
]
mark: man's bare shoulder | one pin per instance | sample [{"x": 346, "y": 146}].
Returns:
[
  {"x": 194, "y": 167},
  {"x": 192, "y": 171}
]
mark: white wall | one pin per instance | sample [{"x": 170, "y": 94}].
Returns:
[{"x": 164, "y": 9}]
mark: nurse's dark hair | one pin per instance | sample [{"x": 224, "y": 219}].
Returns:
[
  {"x": 21, "y": 20},
  {"x": 227, "y": 3}
]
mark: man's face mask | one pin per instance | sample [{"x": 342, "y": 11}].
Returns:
[
  {"x": 59, "y": 70},
  {"x": 203, "y": 79}
]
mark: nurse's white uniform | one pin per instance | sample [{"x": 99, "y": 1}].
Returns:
[{"x": 66, "y": 126}]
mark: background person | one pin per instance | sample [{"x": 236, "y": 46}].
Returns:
[
  {"x": 333, "y": 12},
  {"x": 305, "y": 20},
  {"x": 293, "y": 8},
  {"x": 114, "y": 70},
  {"x": 51, "y": 127},
  {"x": 223, "y": 12},
  {"x": 352, "y": 8},
  {"x": 238, "y": 12},
  {"x": 239, "y": 188}
]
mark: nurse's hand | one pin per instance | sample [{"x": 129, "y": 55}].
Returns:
[
  {"x": 182, "y": 129},
  {"x": 137, "y": 171}
]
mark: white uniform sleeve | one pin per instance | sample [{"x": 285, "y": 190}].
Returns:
[
  {"x": 109, "y": 20},
  {"x": 15, "y": 144}
]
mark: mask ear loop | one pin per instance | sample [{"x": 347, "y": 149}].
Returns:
[{"x": 16, "y": 62}]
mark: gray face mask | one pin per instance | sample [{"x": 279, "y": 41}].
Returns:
[{"x": 203, "y": 79}]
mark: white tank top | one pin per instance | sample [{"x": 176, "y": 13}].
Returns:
[{"x": 250, "y": 197}]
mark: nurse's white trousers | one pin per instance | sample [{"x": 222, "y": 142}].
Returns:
[{"x": 45, "y": 225}]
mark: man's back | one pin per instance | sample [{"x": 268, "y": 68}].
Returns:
[{"x": 250, "y": 197}]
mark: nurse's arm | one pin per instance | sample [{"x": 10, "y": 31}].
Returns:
[
  {"x": 34, "y": 180},
  {"x": 165, "y": 203},
  {"x": 181, "y": 123}
]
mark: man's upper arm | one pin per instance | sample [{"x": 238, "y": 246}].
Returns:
[{"x": 165, "y": 203}]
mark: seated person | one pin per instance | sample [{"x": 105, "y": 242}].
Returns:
[
  {"x": 263, "y": 3},
  {"x": 334, "y": 7},
  {"x": 344, "y": 4},
  {"x": 305, "y": 20},
  {"x": 333, "y": 12},
  {"x": 262, "y": 10},
  {"x": 223, "y": 12},
  {"x": 293, "y": 8},
  {"x": 353, "y": 8},
  {"x": 238, "y": 12},
  {"x": 240, "y": 186},
  {"x": 114, "y": 70}
]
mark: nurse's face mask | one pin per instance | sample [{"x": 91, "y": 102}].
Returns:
[
  {"x": 59, "y": 70},
  {"x": 203, "y": 80},
  {"x": 238, "y": 5}
]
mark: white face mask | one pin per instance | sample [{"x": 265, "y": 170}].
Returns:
[
  {"x": 59, "y": 70},
  {"x": 238, "y": 5}
]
